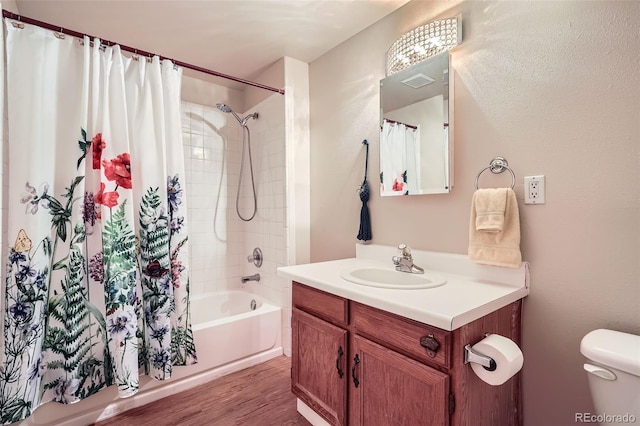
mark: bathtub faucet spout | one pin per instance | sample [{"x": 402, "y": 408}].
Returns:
[{"x": 254, "y": 277}]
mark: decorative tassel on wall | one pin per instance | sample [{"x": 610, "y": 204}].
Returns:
[{"x": 365, "y": 221}]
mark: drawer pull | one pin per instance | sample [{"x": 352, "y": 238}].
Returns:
[
  {"x": 340, "y": 353},
  {"x": 430, "y": 344},
  {"x": 356, "y": 361}
]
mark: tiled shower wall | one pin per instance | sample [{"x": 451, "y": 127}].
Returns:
[
  {"x": 268, "y": 229},
  {"x": 206, "y": 140},
  {"x": 220, "y": 241}
]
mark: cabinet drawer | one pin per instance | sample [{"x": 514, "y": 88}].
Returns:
[
  {"x": 324, "y": 305},
  {"x": 401, "y": 334}
]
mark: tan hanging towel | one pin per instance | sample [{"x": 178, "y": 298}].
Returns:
[
  {"x": 494, "y": 231},
  {"x": 490, "y": 207}
]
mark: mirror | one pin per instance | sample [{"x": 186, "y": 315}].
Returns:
[{"x": 416, "y": 107}]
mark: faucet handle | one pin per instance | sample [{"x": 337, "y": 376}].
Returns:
[{"x": 404, "y": 250}]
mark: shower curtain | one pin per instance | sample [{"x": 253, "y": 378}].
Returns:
[
  {"x": 399, "y": 159},
  {"x": 96, "y": 284}
]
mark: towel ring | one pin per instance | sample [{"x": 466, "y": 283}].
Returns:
[{"x": 498, "y": 165}]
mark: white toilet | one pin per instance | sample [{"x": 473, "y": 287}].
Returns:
[{"x": 614, "y": 375}]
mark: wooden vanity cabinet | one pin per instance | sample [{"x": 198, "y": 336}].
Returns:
[
  {"x": 357, "y": 365},
  {"x": 319, "y": 352},
  {"x": 388, "y": 388}
]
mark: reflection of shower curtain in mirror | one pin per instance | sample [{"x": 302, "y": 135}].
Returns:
[{"x": 399, "y": 159}]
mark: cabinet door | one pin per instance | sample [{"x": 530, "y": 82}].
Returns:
[
  {"x": 318, "y": 366},
  {"x": 387, "y": 388}
]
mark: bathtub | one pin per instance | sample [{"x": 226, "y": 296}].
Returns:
[
  {"x": 230, "y": 335},
  {"x": 226, "y": 328}
]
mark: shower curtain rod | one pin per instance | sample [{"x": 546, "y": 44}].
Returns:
[
  {"x": 400, "y": 122},
  {"x": 11, "y": 15}
]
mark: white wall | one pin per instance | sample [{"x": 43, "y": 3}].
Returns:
[
  {"x": 552, "y": 86},
  {"x": 206, "y": 140},
  {"x": 281, "y": 227},
  {"x": 209, "y": 137},
  {"x": 219, "y": 240},
  {"x": 267, "y": 229},
  {"x": 280, "y": 152},
  {"x": 10, "y": 5},
  {"x": 296, "y": 76}
]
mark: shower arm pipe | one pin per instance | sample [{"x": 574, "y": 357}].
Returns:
[{"x": 72, "y": 33}]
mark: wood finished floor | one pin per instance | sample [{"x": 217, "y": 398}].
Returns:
[{"x": 257, "y": 396}]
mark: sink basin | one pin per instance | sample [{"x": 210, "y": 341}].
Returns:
[{"x": 375, "y": 276}]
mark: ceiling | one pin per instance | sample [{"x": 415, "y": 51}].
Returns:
[{"x": 235, "y": 37}]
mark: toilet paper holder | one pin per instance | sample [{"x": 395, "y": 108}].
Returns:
[{"x": 471, "y": 355}]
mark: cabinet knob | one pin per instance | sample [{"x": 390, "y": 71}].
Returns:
[{"x": 430, "y": 344}]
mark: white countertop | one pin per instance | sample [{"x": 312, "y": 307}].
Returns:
[{"x": 471, "y": 292}]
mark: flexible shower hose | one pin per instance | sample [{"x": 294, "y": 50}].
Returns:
[{"x": 245, "y": 130}]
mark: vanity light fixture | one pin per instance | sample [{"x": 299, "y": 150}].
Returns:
[{"x": 424, "y": 42}]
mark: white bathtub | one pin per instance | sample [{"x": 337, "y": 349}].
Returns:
[
  {"x": 229, "y": 337},
  {"x": 226, "y": 329}
]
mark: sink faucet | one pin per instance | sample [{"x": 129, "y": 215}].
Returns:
[{"x": 404, "y": 263}]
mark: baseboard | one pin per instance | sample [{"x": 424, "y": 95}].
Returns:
[{"x": 311, "y": 416}]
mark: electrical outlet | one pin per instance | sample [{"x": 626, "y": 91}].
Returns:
[{"x": 534, "y": 189}]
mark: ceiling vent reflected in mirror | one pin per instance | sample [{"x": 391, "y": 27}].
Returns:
[
  {"x": 418, "y": 80},
  {"x": 423, "y": 42}
]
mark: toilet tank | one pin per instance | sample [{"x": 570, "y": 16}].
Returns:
[{"x": 613, "y": 369}]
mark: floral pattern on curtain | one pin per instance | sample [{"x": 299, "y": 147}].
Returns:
[{"x": 96, "y": 287}]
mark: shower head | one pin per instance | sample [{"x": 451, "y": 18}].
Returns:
[
  {"x": 226, "y": 108},
  {"x": 223, "y": 107},
  {"x": 243, "y": 121}
]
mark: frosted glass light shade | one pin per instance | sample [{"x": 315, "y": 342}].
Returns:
[{"x": 424, "y": 42}]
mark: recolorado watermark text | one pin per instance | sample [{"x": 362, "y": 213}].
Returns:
[{"x": 604, "y": 418}]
